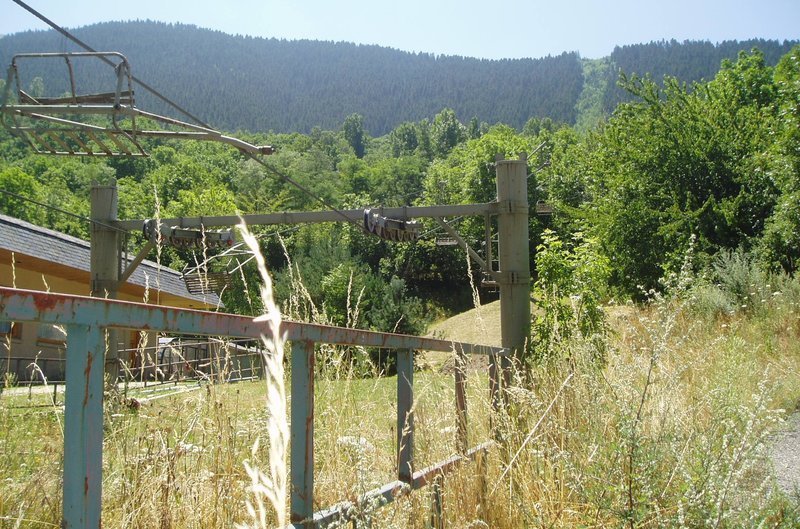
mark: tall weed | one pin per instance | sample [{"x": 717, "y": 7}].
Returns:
[{"x": 674, "y": 431}]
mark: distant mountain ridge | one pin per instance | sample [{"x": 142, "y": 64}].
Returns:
[
  {"x": 688, "y": 61},
  {"x": 258, "y": 84}
]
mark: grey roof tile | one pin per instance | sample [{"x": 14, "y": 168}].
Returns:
[{"x": 28, "y": 239}]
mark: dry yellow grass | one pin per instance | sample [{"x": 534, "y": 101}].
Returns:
[{"x": 671, "y": 430}]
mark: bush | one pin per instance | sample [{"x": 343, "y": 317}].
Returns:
[{"x": 570, "y": 280}]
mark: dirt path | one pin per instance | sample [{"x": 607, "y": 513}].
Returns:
[{"x": 786, "y": 456}]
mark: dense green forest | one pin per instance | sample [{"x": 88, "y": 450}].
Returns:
[
  {"x": 686, "y": 61},
  {"x": 261, "y": 85},
  {"x": 704, "y": 170}
]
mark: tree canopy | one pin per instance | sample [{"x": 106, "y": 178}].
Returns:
[{"x": 704, "y": 167}]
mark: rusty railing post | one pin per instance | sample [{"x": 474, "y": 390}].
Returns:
[
  {"x": 83, "y": 427},
  {"x": 437, "y": 504},
  {"x": 405, "y": 415},
  {"x": 496, "y": 380},
  {"x": 86, "y": 320},
  {"x": 461, "y": 399},
  {"x": 302, "y": 435}
]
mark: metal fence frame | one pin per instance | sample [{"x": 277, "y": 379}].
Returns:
[
  {"x": 37, "y": 371},
  {"x": 86, "y": 320}
]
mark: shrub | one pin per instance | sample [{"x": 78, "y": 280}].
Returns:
[{"x": 571, "y": 278}]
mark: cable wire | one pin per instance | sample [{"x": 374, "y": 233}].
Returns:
[
  {"x": 48, "y": 206},
  {"x": 155, "y": 92},
  {"x": 305, "y": 190}
]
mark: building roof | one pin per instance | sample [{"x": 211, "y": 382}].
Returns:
[{"x": 42, "y": 244}]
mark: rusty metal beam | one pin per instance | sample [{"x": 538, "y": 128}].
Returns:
[
  {"x": 29, "y": 305},
  {"x": 345, "y": 511}
]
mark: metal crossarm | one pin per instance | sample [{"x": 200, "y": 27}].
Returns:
[{"x": 94, "y": 124}]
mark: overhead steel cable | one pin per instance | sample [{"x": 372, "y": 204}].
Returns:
[
  {"x": 200, "y": 122},
  {"x": 305, "y": 190},
  {"x": 48, "y": 206}
]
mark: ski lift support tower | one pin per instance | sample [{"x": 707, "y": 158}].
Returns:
[{"x": 108, "y": 124}]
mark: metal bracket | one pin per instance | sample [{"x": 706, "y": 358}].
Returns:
[
  {"x": 512, "y": 206},
  {"x": 101, "y": 286},
  {"x": 136, "y": 261},
  {"x": 472, "y": 253},
  {"x": 508, "y": 278}
]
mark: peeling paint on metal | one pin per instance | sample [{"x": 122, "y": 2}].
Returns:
[
  {"x": 86, "y": 373},
  {"x": 44, "y": 303}
]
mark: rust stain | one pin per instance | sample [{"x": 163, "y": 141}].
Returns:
[
  {"x": 44, "y": 302},
  {"x": 86, "y": 373}
]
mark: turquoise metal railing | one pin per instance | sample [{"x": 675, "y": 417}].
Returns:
[{"x": 86, "y": 320}]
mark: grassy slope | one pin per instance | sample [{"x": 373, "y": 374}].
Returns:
[{"x": 480, "y": 325}]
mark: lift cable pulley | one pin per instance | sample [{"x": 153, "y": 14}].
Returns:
[
  {"x": 390, "y": 229},
  {"x": 185, "y": 238}
]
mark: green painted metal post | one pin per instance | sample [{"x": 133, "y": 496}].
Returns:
[
  {"x": 302, "y": 435},
  {"x": 83, "y": 427},
  {"x": 405, "y": 415},
  {"x": 513, "y": 254}
]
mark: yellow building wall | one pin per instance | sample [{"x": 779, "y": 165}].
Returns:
[{"x": 32, "y": 342}]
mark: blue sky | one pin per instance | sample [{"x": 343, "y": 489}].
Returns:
[{"x": 489, "y": 29}]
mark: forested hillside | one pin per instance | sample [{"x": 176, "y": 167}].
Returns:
[
  {"x": 256, "y": 84},
  {"x": 703, "y": 172},
  {"x": 687, "y": 61},
  {"x": 267, "y": 84}
]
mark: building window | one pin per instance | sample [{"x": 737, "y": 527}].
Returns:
[
  {"x": 49, "y": 333},
  {"x": 11, "y": 329}
]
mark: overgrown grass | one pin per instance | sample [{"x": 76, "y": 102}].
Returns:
[
  {"x": 177, "y": 462},
  {"x": 672, "y": 429}
]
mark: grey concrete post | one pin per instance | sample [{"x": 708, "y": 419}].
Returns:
[
  {"x": 104, "y": 258},
  {"x": 513, "y": 254}
]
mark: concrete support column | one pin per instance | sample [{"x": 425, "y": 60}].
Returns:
[
  {"x": 513, "y": 253},
  {"x": 104, "y": 262}
]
